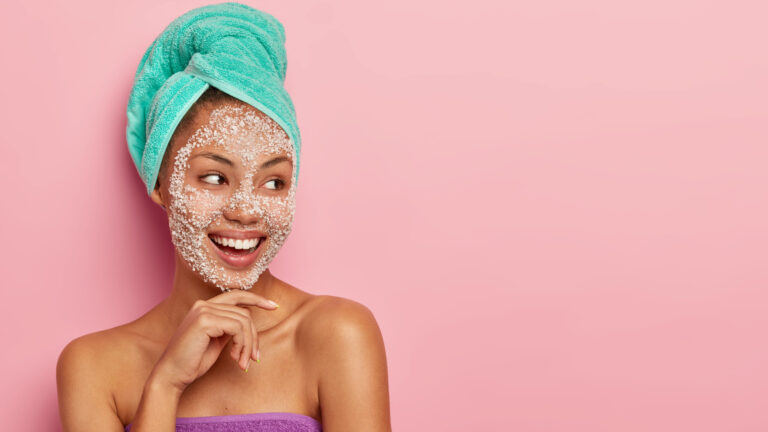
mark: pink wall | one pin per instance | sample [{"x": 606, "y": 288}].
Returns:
[{"x": 557, "y": 210}]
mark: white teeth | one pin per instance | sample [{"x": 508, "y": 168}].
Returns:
[{"x": 236, "y": 243}]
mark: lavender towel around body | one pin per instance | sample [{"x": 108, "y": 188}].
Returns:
[{"x": 254, "y": 422}]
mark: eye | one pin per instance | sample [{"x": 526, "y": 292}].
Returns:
[
  {"x": 206, "y": 178},
  {"x": 276, "y": 181}
]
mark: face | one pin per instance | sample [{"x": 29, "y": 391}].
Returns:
[{"x": 231, "y": 196}]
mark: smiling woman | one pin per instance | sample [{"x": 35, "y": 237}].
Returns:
[{"x": 224, "y": 166}]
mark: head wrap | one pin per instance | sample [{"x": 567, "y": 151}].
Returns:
[{"x": 231, "y": 46}]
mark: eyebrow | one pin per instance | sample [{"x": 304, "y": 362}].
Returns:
[
  {"x": 274, "y": 161},
  {"x": 224, "y": 160},
  {"x": 215, "y": 157}
]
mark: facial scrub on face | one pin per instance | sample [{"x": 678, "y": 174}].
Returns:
[
  {"x": 196, "y": 214},
  {"x": 231, "y": 46}
]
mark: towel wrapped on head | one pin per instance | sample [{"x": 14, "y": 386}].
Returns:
[{"x": 231, "y": 46}]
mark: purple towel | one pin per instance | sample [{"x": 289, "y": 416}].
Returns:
[{"x": 257, "y": 422}]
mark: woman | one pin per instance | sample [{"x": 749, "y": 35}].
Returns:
[{"x": 218, "y": 148}]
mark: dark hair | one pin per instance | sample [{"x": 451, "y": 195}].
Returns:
[{"x": 209, "y": 98}]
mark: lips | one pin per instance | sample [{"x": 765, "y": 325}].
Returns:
[{"x": 239, "y": 249}]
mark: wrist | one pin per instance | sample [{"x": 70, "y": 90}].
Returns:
[{"x": 157, "y": 383}]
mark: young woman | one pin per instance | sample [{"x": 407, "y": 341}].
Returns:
[{"x": 232, "y": 348}]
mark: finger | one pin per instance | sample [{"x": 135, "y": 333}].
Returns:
[
  {"x": 241, "y": 349},
  {"x": 216, "y": 322},
  {"x": 216, "y": 326},
  {"x": 255, "y": 349},
  {"x": 244, "y": 311},
  {"x": 235, "y": 297},
  {"x": 254, "y": 355},
  {"x": 252, "y": 337}
]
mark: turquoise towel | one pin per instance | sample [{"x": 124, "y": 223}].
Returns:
[{"x": 231, "y": 46}]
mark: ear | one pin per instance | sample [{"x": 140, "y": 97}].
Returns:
[{"x": 157, "y": 197}]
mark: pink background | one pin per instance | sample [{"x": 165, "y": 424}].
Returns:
[{"x": 556, "y": 210}]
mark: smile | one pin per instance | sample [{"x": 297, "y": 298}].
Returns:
[
  {"x": 236, "y": 250},
  {"x": 227, "y": 244}
]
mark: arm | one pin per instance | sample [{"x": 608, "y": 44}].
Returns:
[
  {"x": 158, "y": 406},
  {"x": 353, "y": 383},
  {"x": 86, "y": 403}
]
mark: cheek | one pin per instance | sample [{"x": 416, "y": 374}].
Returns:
[
  {"x": 278, "y": 212},
  {"x": 201, "y": 206}
]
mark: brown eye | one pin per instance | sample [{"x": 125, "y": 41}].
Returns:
[
  {"x": 214, "y": 176},
  {"x": 276, "y": 181}
]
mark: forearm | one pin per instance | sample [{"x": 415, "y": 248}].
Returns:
[{"x": 157, "y": 408}]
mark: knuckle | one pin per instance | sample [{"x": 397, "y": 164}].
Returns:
[{"x": 204, "y": 319}]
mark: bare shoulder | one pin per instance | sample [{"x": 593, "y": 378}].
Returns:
[
  {"x": 333, "y": 319},
  {"x": 86, "y": 372},
  {"x": 347, "y": 362},
  {"x": 76, "y": 363},
  {"x": 102, "y": 354},
  {"x": 339, "y": 332},
  {"x": 89, "y": 352}
]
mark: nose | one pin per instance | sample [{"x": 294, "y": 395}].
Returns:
[
  {"x": 246, "y": 212},
  {"x": 244, "y": 208},
  {"x": 242, "y": 216}
]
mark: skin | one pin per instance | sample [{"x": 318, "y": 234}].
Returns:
[{"x": 321, "y": 356}]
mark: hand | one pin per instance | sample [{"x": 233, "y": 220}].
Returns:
[{"x": 207, "y": 328}]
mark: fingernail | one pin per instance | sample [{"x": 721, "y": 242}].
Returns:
[
  {"x": 257, "y": 357},
  {"x": 273, "y": 303},
  {"x": 248, "y": 365}
]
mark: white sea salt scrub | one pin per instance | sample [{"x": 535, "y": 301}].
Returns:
[{"x": 248, "y": 139}]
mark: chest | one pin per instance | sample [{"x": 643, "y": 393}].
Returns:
[{"x": 280, "y": 382}]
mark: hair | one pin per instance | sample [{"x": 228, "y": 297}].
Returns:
[{"x": 211, "y": 97}]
